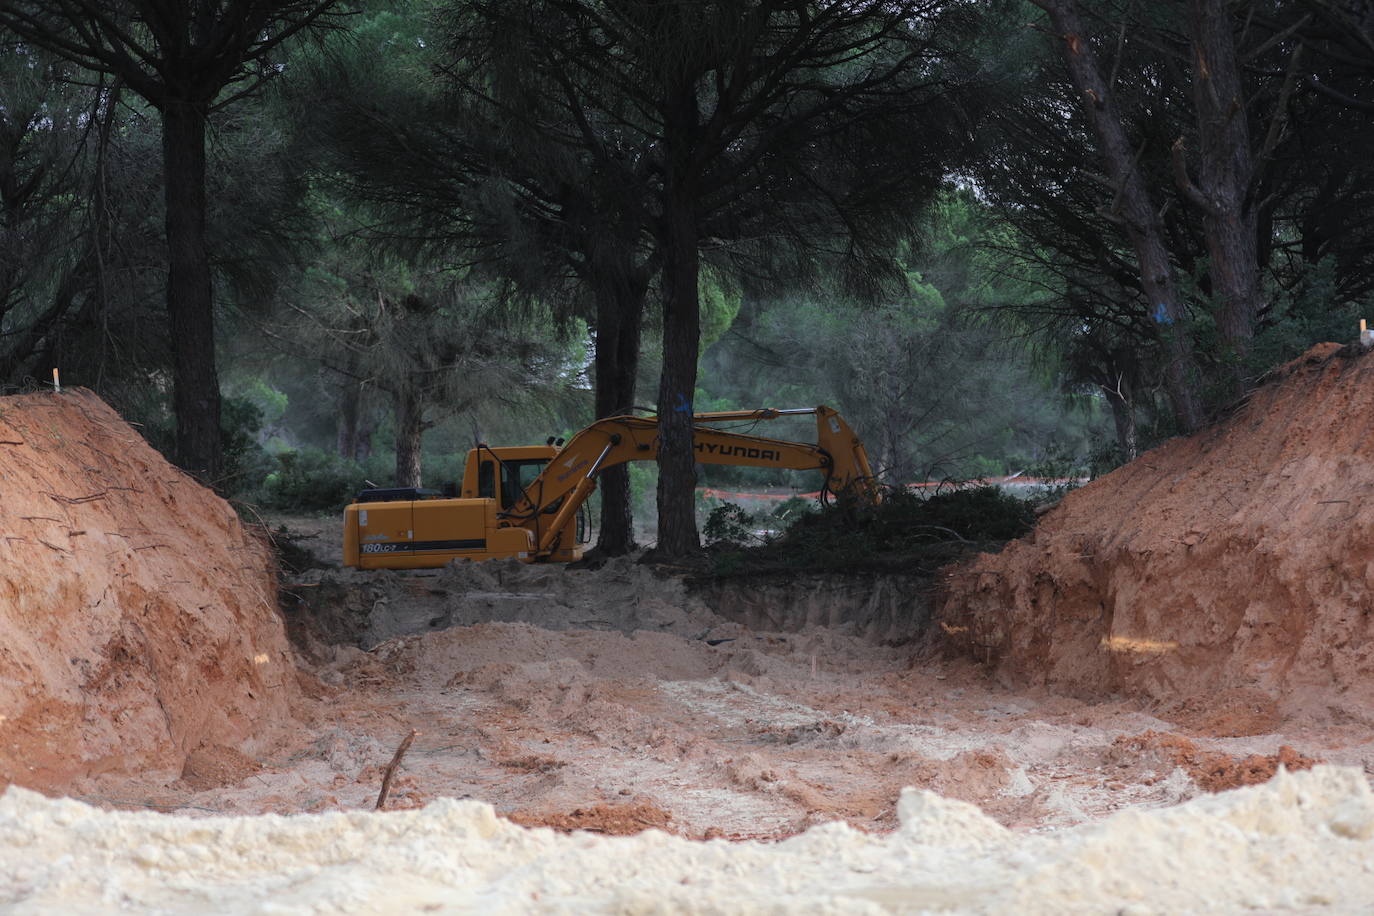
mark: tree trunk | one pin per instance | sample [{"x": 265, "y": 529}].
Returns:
[
  {"x": 409, "y": 432},
  {"x": 1161, "y": 289},
  {"x": 350, "y": 413},
  {"x": 1135, "y": 212},
  {"x": 1225, "y": 173},
  {"x": 98, "y": 309},
  {"x": 620, "y": 310},
  {"x": 190, "y": 304},
  {"x": 362, "y": 443},
  {"x": 1123, "y": 416},
  {"x": 677, "y": 521},
  {"x": 190, "y": 307}
]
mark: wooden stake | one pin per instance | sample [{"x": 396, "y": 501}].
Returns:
[
  {"x": 57, "y": 384},
  {"x": 391, "y": 769},
  {"x": 1362, "y": 330}
]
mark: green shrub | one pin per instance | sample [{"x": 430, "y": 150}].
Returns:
[
  {"x": 907, "y": 532},
  {"x": 728, "y": 523},
  {"x": 444, "y": 468},
  {"x": 245, "y": 461},
  {"x": 790, "y": 510},
  {"x": 311, "y": 480},
  {"x": 1058, "y": 464},
  {"x": 240, "y": 422}
]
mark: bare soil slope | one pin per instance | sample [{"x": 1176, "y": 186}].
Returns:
[
  {"x": 1230, "y": 570},
  {"x": 139, "y": 617}
]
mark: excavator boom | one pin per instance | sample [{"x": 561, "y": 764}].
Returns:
[
  {"x": 536, "y": 521},
  {"x": 570, "y": 477}
]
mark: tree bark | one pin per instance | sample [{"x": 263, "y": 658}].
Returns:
[
  {"x": 409, "y": 433},
  {"x": 350, "y": 414},
  {"x": 620, "y": 310},
  {"x": 1123, "y": 416},
  {"x": 1134, "y": 211},
  {"x": 677, "y": 522},
  {"x": 1226, "y": 169},
  {"x": 362, "y": 443},
  {"x": 190, "y": 306}
]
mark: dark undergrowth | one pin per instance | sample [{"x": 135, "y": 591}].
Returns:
[
  {"x": 292, "y": 558},
  {"x": 908, "y": 533}
]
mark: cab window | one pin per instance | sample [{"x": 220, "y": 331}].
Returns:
[
  {"x": 486, "y": 480},
  {"x": 516, "y": 477}
]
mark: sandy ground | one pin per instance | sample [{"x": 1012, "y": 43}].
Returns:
[
  {"x": 711, "y": 731},
  {"x": 147, "y": 669}
]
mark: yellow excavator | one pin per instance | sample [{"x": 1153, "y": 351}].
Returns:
[{"x": 525, "y": 501}]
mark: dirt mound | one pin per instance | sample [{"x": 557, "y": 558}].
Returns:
[
  {"x": 211, "y": 766},
  {"x": 1213, "y": 771},
  {"x": 613, "y": 820},
  {"x": 138, "y": 614},
  {"x": 1236, "y": 562}
]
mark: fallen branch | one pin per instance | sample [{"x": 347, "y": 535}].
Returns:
[
  {"x": 949, "y": 531},
  {"x": 74, "y": 500},
  {"x": 391, "y": 769}
]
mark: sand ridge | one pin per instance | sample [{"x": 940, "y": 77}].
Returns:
[{"x": 1302, "y": 842}]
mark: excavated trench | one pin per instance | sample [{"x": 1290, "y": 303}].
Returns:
[
  {"x": 1122, "y": 658},
  {"x": 890, "y": 610},
  {"x": 367, "y": 608}
]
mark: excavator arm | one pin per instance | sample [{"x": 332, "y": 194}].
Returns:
[{"x": 551, "y": 500}]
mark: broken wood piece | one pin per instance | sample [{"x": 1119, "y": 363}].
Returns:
[{"x": 391, "y": 769}]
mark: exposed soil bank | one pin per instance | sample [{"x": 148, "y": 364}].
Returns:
[
  {"x": 886, "y": 609},
  {"x": 139, "y": 618},
  {"x": 1231, "y": 569},
  {"x": 367, "y": 608}
]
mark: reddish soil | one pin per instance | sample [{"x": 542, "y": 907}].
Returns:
[
  {"x": 146, "y": 666},
  {"x": 1225, "y": 576},
  {"x": 139, "y": 617},
  {"x": 615, "y": 733},
  {"x": 211, "y": 766},
  {"x": 615, "y": 820},
  {"x": 1212, "y": 771}
]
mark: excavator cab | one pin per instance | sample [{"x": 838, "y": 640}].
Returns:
[{"x": 514, "y": 476}]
